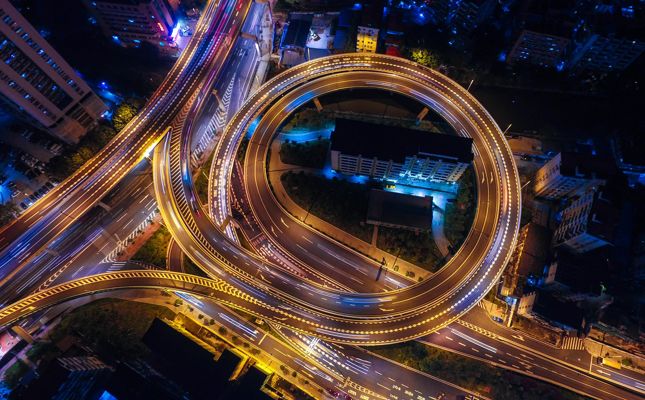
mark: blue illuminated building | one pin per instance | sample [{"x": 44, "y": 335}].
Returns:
[
  {"x": 130, "y": 22},
  {"x": 417, "y": 158}
]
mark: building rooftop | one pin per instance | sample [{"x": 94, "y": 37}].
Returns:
[
  {"x": 389, "y": 208},
  {"x": 70, "y": 377},
  {"x": 372, "y": 15},
  {"x": 552, "y": 18},
  {"x": 583, "y": 273},
  {"x": 296, "y": 32},
  {"x": 603, "y": 215},
  {"x": 313, "y": 53},
  {"x": 199, "y": 371},
  {"x": 395, "y": 143},
  {"x": 535, "y": 251},
  {"x": 558, "y": 310},
  {"x": 340, "y": 39}
]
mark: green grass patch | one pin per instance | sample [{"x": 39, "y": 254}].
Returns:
[
  {"x": 417, "y": 248},
  {"x": 309, "y": 119},
  {"x": 154, "y": 250},
  {"x": 191, "y": 268},
  {"x": 460, "y": 213},
  {"x": 112, "y": 327},
  {"x": 14, "y": 374},
  {"x": 201, "y": 181},
  {"x": 341, "y": 203},
  {"x": 64, "y": 165},
  {"x": 44, "y": 351},
  {"x": 311, "y": 154}
]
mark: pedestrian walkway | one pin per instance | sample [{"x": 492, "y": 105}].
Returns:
[
  {"x": 438, "y": 235},
  {"x": 572, "y": 343}
]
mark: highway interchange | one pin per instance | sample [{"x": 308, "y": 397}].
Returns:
[
  {"x": 375, "y": 318},
  {"x": 26, "y": 255}
]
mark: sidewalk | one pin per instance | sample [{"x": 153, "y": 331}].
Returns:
[
  {"x": 265, "y": 43},
  {"x": 438, "y": 235},
  {"x": 599, "y": 349},
  {"x": 276, "y": 167}
]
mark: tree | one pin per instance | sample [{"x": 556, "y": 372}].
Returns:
[
  {"x": 124, "y": 113},
  {"x": 424, "y": 57},
  {"x": 7, "y": 213}
]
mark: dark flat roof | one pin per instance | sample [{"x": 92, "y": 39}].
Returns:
[
  {"x": 399, "y": 209},
  {"x": 395, "y": 143},
  {"x": 536, "y": 250},
  {"x": 587, "y": 166},
  {"x": 603, "y": 216},
  {"x": 296, "y": 33}
]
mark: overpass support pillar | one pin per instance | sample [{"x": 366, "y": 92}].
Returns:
[
  {"x": 422, "y": 114},
  {"x": 227, "y": 220},
  {"x": 319, "y": 106},
  {"x": 20, "y": 331},
  {"x": 216, "y": 95},
  {"x": 104, "y": 206}
]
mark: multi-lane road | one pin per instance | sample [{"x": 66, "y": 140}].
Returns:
[
  {"x": 247, "y": 286},
  {"x": 25, "y": 238}
]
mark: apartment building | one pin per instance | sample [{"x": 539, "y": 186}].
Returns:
[
  {"x": 37, "y": 82},
  {"x": 398, "y": 154},
  {"x": 567, "y": 174},
  {"x": 131, "y": 22},
  {"x": 588, "y": 222}
]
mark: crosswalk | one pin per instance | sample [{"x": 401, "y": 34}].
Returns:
[
  {"x": 123, "y": 244},
  {"x": 572, "y": 343}
]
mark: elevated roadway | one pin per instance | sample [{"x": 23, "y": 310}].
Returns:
[
  {"x": 347, "y": 317},
  {"x": 43, "y": 222}
]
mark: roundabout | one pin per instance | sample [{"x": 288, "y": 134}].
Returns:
[
  {"x": 375, "y": 318},
  {"x": 243, "y": 280}
]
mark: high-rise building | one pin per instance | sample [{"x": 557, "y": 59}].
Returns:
[
  {"x": 588, "y": 222},
  {"x": 545, "y": 33},
  {"x": 539, "y": 48},
  {"x": 606, "y": 54},
  {"x": 36, "y": 80},
  {"x": 366, "y": 39},
  {"x": 369, "y": 28},
  {"x": 130, "y": 22},
  {"x": 461, "y": 15},
  {"x": 361, "y": 148},
  {"x": 576, "y": 35},
  {"x": 568, "y": 174}
]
